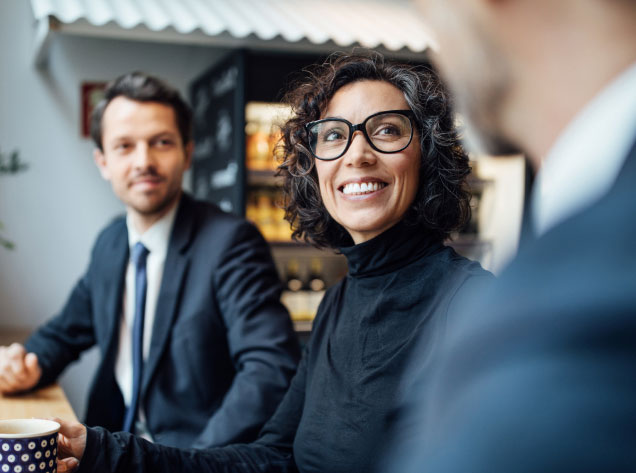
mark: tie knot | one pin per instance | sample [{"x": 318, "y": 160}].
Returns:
[{"x": 139, "y": 254}]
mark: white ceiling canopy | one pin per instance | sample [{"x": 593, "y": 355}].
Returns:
[{"x": 394, "y": 25}]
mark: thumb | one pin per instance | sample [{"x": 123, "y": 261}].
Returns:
[
  {"x": 31, "y": 362},
  {"x": 32, "y": 367},
  {"x": 70, "y": 430},
  {"x": 72, "y": 439}
]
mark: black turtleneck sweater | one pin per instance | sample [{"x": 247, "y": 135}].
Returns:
[{"x": 335, "y": 415}]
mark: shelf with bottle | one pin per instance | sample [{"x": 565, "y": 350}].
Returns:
[
  {"x": 470, "y": 241},
  {"x": 263, "y": 178},
  {"x": 262, "y": 135},
  {"x": 264, "y": 195},
  {"x": 305, "y": 284},
  {"x": 264, "y": 209}
]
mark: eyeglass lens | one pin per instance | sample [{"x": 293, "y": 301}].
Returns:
[{"x": 388, "y": 132}]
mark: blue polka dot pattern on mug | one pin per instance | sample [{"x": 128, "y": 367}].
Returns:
[{"x": 28, "y": 454}]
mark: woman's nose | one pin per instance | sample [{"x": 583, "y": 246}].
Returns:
[{"x": 360, "y": 152}]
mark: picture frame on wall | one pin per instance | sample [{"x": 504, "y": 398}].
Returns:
[{"x": 92, "y": 93}]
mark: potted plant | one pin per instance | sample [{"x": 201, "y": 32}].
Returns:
[{"x": 9, "y": 164}]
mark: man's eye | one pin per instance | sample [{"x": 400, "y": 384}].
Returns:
[
  {"x": 164, "y": 142},
  {"x": 123, "y": 147}
]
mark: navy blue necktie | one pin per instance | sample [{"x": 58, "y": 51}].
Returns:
[{"x": 139, "y": 255}]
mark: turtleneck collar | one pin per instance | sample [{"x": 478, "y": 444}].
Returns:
[{"x": 391, "y": 250}]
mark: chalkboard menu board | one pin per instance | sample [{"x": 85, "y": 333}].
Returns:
[{"x": 217, "y": 98}]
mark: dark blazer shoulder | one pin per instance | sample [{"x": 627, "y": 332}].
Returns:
[
  {"x": 112, "y": 231},
  {"x": 586, "y": 244},
  {"x": 208, "y": 212},
  {"x": 211, "y": 225},
  {"x": 552, "y": 348}
]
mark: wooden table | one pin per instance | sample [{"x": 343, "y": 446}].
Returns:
[
  {"x": 43, "y": 403},
  {"x": 46, "y": 402}
]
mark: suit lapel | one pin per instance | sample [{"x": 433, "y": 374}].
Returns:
[
  {"x": 114, "y": 271},
  {"x": 175, "y": 268}
]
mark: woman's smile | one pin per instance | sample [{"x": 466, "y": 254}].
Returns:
[{"x": 362, "y": 187}]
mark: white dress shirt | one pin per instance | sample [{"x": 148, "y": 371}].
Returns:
[
  {"x": 156, "y": 240},
  {"x": 587, "y": 157}
]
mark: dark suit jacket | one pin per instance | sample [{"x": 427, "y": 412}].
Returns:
[
  {"x": 540, "y": 374},
  {"x": 222, "y": 350}
]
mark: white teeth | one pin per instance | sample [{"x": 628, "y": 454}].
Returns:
[{"x": 365, "y": 187}]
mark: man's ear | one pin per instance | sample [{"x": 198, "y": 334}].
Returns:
[{"x": 100, "y": 161}]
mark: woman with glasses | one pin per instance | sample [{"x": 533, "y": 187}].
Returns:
[{"x": 373, "y": 168}]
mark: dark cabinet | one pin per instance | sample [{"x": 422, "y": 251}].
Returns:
[{"x": 225, "y": 172}]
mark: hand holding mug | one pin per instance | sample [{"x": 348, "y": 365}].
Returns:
[{"x": 71, "y": 445}]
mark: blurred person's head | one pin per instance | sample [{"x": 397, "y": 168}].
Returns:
[
  {"x": 142, "y": 130},
  {"x": 142, "y": 87},
  {"x": 344, "y": 184},
  {"x": 520, "y": 70}
]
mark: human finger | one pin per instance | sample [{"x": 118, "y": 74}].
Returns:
[
  {"x": 9, "y": 381},
  {"x": 67, "y": 464},
  {"x": 16, "y": 354},
  {"x": 32, "y": 367},
  {"x": 16, "y": 351}
]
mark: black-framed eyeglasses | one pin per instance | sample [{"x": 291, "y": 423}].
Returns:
[{"x": 390, "y": 131}]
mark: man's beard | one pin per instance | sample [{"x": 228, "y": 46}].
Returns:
[{"x": 158, "y": 207}]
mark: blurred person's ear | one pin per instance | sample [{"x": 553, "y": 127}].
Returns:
[{"x": 100, "y": 161}]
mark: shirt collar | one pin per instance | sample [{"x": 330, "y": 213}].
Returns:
[
  {"x": 587, "y": 157},
  {"x": 157, "y": 237}
]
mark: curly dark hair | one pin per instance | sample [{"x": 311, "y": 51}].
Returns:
[{"x": 441, "y": 204}]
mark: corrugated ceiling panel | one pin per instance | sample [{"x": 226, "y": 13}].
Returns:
[
  {"x": 205, "y": 17},
  {"x": 395, "y": 24}
]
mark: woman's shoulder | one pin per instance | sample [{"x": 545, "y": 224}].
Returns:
[
  {"x": 461, "y": 265},
  {"x": 466, "y": 281},
  {"x": 460, "y": 277}
]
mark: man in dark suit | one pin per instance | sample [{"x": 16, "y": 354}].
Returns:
[
  {"x": 181, "y": 298},
  {"x": 537, "y": 373}
]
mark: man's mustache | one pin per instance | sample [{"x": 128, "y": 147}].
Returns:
[{"x": 148, "y": 173}]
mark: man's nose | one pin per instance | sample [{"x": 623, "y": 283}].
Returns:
[
  {"x": 143, "y": 156},
  {"x": 360, "y": 152}
]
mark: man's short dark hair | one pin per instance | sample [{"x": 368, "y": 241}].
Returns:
[
  {"x": 143, "y": 88},
  {"x": 442, "y": 203}
]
